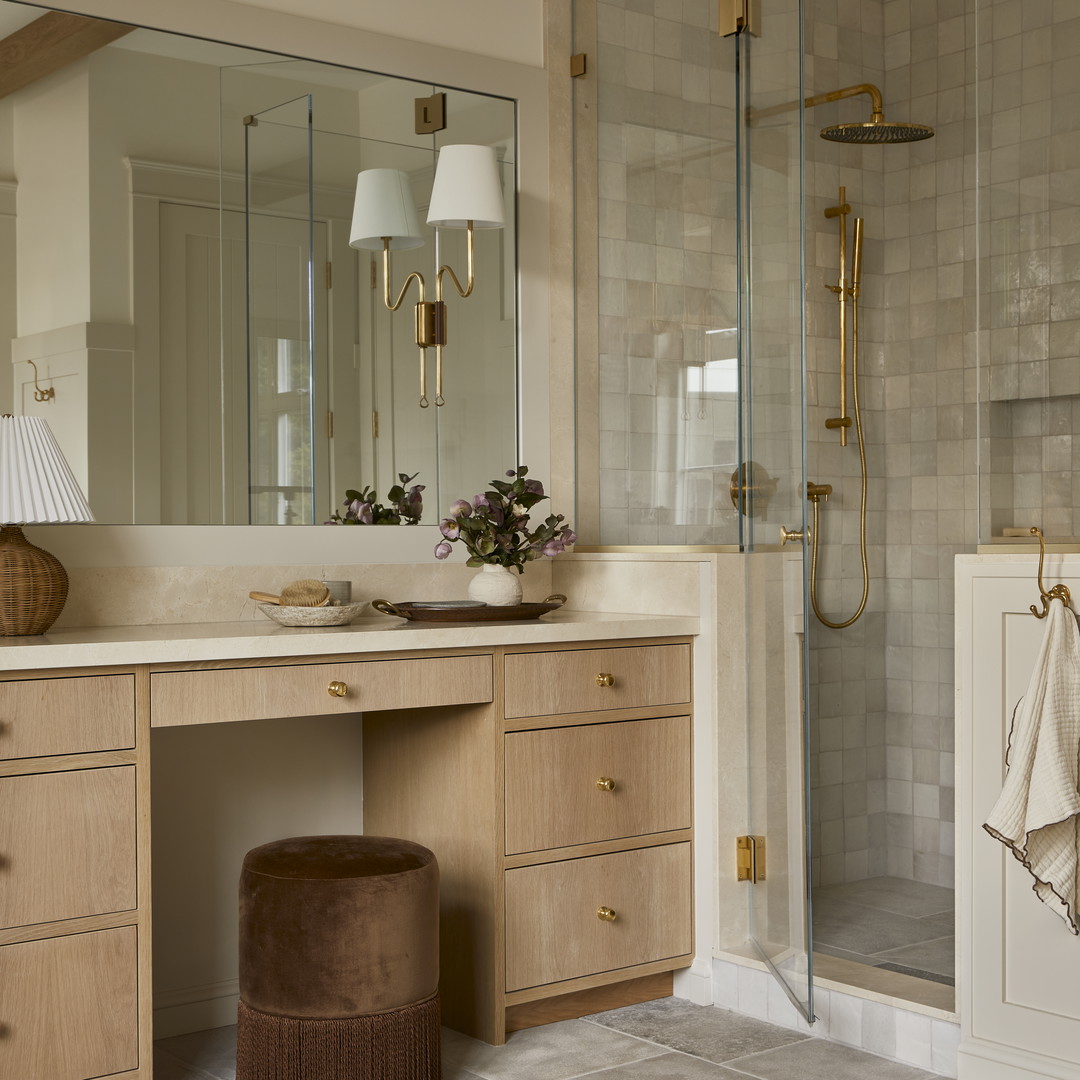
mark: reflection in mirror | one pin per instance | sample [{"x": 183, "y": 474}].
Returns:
[{"x": 180, "y": 211}]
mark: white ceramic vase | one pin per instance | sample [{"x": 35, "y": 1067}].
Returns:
[{"x": 496, "y": 585}]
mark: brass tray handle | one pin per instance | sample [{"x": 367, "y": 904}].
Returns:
[
  {"x": 605, "y": 783},
  {"x": 605, "y": 678},
  {"x": 388, "y": 609},
  {"x": 555, "y": 598},
  {"x": 337, "y": 688},
  {"x": 606, "y": 914}
]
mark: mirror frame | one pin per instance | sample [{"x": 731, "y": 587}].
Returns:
[{"x": 297, "y": 36}]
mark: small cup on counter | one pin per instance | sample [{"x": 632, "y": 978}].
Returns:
[{"x": 340, "y": 592}]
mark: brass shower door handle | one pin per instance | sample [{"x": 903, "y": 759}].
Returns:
[{"x": 791, "y": 535}]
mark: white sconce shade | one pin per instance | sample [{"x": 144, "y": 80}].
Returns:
[
  {"x": 36, "y": 483},
  {"x": 384, "y": 207},
  {"x": 467, "y": 189}
]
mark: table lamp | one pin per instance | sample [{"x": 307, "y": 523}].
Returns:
[{"x": 36, "y": 487}]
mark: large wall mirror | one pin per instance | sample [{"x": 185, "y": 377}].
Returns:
[{"x": 176, "y": 270}]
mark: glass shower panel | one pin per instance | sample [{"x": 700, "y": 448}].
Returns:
[
  {"x": 773, "y": 479},
  {"x": 656, "y": 274},
  {"x": 286, "y": 446}
]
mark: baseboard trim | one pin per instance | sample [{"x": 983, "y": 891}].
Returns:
[
  {"x": 583, "y": 1002},
  {"x": 195, "y": 1008},
  {"x": 979, "y": 1059}
]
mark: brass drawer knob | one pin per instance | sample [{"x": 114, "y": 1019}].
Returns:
[
  {"x": 605, "y": 783},
  {"x": 605, "y": 678},
  {"x": 606, "y": 914},
  {"x": 337, "y": 689}
]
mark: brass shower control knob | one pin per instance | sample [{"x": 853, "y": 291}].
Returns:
[
  {"x": 605, "y": 783},
  {"x": 606, "y": 914},
  {"x": 337, "y": 689},
  {"x": 605, "y": 678}
]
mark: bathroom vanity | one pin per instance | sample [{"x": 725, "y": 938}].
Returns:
[{"x": 547, "y": 765}]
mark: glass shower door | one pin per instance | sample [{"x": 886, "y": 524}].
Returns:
[{"x": 773, "y": 484}]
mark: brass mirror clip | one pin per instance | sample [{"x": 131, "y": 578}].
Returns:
[
  {"x": 1056, "y": 592},
  {"x": 39, "y": 394}
]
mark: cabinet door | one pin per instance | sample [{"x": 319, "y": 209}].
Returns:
[
  {"x": 68, "y": 1006},
  {"x": 67, "y": 845},
  {"x": 554, "y": 928},
  {"x": 576, "y": 785}
]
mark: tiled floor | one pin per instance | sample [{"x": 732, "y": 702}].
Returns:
[
  {"x": 654, "y": 1041},
  {"x": 892, "y": 923}
]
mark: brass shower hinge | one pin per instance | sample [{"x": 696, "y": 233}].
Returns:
[
  {"x": 578, "y": 65},
  {"x": 750, "y": 858},
  {"x": 740, "y": 17}
]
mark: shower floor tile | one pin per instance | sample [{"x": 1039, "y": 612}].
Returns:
[{"x": 904, "y": 924}]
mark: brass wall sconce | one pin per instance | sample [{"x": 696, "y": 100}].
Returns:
[{"x": 466, "y": 195}]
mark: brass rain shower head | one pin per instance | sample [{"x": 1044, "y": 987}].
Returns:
[{"x": 877, "y": 129}]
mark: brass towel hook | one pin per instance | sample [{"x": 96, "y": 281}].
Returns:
[
  {"x": 39, "y": 394},
  {"x": 1056, "y": 592}
]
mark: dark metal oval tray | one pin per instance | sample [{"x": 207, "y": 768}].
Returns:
[{"x": 463, "y": 611}]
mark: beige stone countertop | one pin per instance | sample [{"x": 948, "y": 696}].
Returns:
[{"x": 181, "y": 642}]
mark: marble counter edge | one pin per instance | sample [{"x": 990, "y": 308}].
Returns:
[{"x": 195, "y": 642}]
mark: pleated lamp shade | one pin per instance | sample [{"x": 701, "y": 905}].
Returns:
[
  {"x": 384, "y": 206},
  {"x": 467, "y": 188},
  {"x": 37, "y": 486}
]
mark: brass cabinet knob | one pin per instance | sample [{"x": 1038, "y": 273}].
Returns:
[
  {"x": 337, "y": 689},
  {"x": 605, "y": 679},
  {"x": 605, "y": 783},
  {"x": 606, "y": 913}
]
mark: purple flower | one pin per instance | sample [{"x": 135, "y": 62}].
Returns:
[
  {"x": 442, "y": 550},
  {"x": 534, "y": 487},
  {"x": 552, "y": 548},
  {"x": 461, "y": 508},
  {"x": 480, "y": 502},
  {"x": 364, "y": 514},
  {"x": 354, "y": 508},
  {"x": 449, "y": 528},
  {"x": 511, "y": 472},
  {"x": 569, "y": 537}
]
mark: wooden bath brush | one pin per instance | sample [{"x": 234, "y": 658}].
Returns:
[{"x": 305, "y": 593}]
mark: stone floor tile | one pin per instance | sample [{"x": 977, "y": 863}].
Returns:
[
  {"x": 916, "y": 899},
  {"x": 552, "y": 1052},
  {"x": 704, "y": 1031},
  {"x": 669, "y": 1067},
  {"x": 938, "y": 956},
  {"x": 213, "y": 1052},
  {"x": 817, "y": 1059},
  {"x": 866, "y": 930}
]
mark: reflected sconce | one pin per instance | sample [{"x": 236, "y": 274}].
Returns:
[
  {"x": 36, "y": 487},
  {"x": 466, "y": 194}
]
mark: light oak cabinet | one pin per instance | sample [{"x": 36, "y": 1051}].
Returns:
[
  {"x": 561, "y": 816},
  {"x": 71, "y": 781},
  {"x": 552, "y": 783}
]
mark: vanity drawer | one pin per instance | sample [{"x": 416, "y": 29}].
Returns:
[
  {"x": 215, "y": 696},
  {"x": 554, "y": 797},
  {"x": 43, "y": 717},
  {"x": 586, "y": 680},
  {"x": 67, "y": 845},
  {"x": 68, "y": 1006},
  {"x": 553, "y": 931}
]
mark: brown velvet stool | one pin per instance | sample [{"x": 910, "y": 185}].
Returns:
[{"x": 339, "y": 961}]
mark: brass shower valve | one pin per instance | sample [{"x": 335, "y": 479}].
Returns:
[{"x": 814, "y": 492}]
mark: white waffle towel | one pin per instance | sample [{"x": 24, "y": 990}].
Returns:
[{"x": 1037, "y": 814}]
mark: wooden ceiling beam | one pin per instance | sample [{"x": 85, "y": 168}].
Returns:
[{"x": 50, "y": 43}]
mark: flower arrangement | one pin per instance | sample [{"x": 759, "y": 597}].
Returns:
[
  {"x": 494, "y": 527},
  {"x": 361, "y": 508}
]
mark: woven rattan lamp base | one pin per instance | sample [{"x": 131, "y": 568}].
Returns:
[{"x": 33, "y": 585}]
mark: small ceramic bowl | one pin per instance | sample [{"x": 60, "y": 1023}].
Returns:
[{"x": 312, "y": 616}]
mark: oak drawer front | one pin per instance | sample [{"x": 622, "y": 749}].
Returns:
[
  {"x": 586, "y": 680},
  {"x": 68, "y": 1006},
  {"x": 44, "y": 717},
  {"x": 221, "y": 695},
  {"x": 576, "y": 785},
  {"x": 67, "y": 845},
  {"x": 553, "y": 931}
]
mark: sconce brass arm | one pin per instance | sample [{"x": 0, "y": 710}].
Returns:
[
  {"x": 425, "y": 319},
  {"x": 440, "y": 308}
]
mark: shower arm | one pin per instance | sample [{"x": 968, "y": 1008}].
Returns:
[{"x": 877, "y": 109}]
